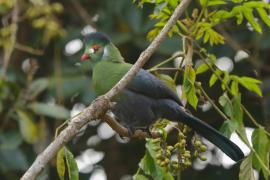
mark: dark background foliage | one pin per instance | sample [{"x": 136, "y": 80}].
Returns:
[{"x": 29, "y": 115}]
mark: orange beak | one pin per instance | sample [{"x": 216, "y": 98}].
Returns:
[{"x": 85, "y": 57}]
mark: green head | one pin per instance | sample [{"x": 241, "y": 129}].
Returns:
[
  {"x": 98, "y": 47},
  {"x": 95, "y": 44}
]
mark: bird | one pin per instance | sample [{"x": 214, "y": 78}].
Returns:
[{"x": 146, "y": 98}]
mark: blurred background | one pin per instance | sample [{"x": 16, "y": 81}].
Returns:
[{"x": 43, "y": 83}]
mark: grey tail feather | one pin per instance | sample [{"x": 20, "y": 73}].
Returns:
[{"x": 176, "y": 113}]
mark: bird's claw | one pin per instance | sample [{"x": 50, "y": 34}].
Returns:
[{"x": 132, "y": 130}]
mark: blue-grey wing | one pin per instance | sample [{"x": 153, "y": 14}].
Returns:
[{"x": 147, "y": 84}]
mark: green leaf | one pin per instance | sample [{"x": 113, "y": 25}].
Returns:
[
  {"x": 13, "y": 160},
  {"x": 216, "y": 2},
  {"x": 51, "y": 110},
  {"x": 190, "y": 74},
  {"x": 159, "y": 7},
  {"x": 188, "y": 86},
  {"x": 228, "y": 127},
  {"x": 264, "y": 16},
  {"x": 192, "y": 98},
  {"x": 220, "y": 15},
  {"x": 168, "y": 80},
  {"x": 251, "y": 84},
  {"x": 233, "y": 109},
  {"x": 257, "y": 4},
  {"x": 237, "y": 12},
  {"x": 250, "y": 80},
  {"x": 226, "y": 80},
  {"x": 27, "y": 126},
  {"x": 36, "y": 87},
  {"x": 60, "y": 163},
  {"x": 72, "y": 168},
  {"x": 201, "y": 68},
  {"x": 212, "y": 2},
  {"x": 173, "y": 3},
  {"x": 261, "y": 144},
  {"x": 149, "y": 166},
  {"x": 140, "y": 177},
  {"x": 66, "y": 164},
  {"x": 203, "y": 2},
  {"x": 206, "y": 37},
  {"x": 153, "y": 33},
  {"x": 226, "y": 103},
  {"x": 10, "y": 140},
  {"x": 214, "y": 78},
  {"x": 214, "y": 37},
  {"x": 237, "y": 110},
  {"x": 247, "y": 12},
  {"x": 246, "y": 171},
  {"x": 234, "y": 88}
]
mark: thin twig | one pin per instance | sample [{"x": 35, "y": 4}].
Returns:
[
  {"x": 28, "y": 49},
  {"x": 164, "y": 69},
  {"x": 167, "y": 60},
  {"x": 187, "y": 60},
  {"x": 8, "y": 51},
  {"x": 212, "y": 102},
  {"x": 82, "y": 12},
  {"x": 229, "y": 90},
  {"x": 99, "y": 107},
  {"x": 254, "y": 152}
]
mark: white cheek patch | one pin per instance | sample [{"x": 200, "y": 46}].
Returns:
[
  {"x": 91, "y": 50},
  {"x": 105, "y": 52}
]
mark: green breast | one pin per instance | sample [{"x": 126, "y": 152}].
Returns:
[{"x": 106, "y": 74}]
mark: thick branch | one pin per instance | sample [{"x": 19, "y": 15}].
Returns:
[
  {"x": 146, "y": 54},
  {"x": 117, "y": 127},
  {"x": 98, "y": 108},
  {"x": 94, "y": 111}
]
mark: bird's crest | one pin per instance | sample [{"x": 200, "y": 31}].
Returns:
[{"x": 97, "y": 36}]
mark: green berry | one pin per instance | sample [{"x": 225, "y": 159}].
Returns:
[
  {"x": 198, "y": 143},
  {"x": 166, "y": 160},
  {"x": 203, "y": 158},
  {"x": 159, "y": 156},
  {"x": 203, "y": 148},
  {"x": 187, "y": 154},
  {"x": 162, "y": 164},
  {"x": 170, "y": 148}
]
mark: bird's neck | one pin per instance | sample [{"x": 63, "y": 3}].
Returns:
[{"x": 111, "y": 53}]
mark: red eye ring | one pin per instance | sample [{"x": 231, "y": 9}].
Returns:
[{"x": 95, "y": 47}]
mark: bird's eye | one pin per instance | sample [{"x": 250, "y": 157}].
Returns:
[{"x": 95, "y": 47}]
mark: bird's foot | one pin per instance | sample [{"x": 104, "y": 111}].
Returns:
[
  {"x": 131, "y": 131},
  {"x": 146, "y": 130}
]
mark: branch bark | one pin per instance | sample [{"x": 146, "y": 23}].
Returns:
[
  {"x": 117, "y": 127},
  {"x": 99, "y": 107}
]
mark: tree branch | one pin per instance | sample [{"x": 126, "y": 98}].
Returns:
[
  {"x": 28, "y": 49},
  {"x": 117, "y": 127},
  {"x": 99, "y": 107},
  {"x": 8, "y": 51},
  {"x": 146, "y": 54}
]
